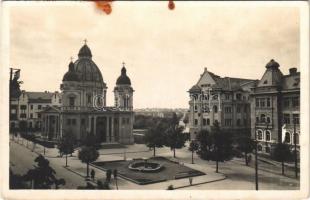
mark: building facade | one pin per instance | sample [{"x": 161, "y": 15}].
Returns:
[
  {"x": 83, "y": 109},
  {"x": 222, "y": 99},
  {"x": 276, "y": 108},
  {"x": 25, "y": 110}
]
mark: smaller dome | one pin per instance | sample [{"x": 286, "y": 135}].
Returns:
[
  {"x": 85, "y": 52},
  {"x": 123, "y": 79},
  {"x": 272, "y": 64},
  {"x": 71, "y": 75}
]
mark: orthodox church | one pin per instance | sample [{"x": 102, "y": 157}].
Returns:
[{"x": 83, "y": 108}]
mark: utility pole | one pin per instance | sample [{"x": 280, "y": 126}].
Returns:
[{"x": 295, "y": 148}]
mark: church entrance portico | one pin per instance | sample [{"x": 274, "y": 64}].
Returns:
[{"x": 101, "y": 130}]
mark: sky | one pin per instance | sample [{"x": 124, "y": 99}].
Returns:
[{"x": 165, "y": 51}]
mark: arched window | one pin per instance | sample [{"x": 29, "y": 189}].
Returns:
[
  {"x": 268, "y": 135},
  {"x": 267, "y": 149},
  {"x": 71, "y": 101},
  {"x": 259, "y": 135},
  {"x": 287, "y": 138},
  {"x": 259, "y": 147},
  {"x": 263, "y": 118},
  {"x": 215, "y": 109}
]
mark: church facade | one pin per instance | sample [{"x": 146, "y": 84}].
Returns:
[{"x": 83, "y": 108}]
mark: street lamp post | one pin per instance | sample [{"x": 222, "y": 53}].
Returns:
[
  {"x": 295, "y": 148},
  {"x": 256, "y": 164}
]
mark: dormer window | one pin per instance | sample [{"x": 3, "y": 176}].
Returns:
[{"x": 265, "y": 82}]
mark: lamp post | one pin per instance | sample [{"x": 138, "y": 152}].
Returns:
[
  {"x": 295, "y": 148},
  {"x": 256, "y": 164}
]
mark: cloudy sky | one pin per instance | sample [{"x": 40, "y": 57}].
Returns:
[{"x": 165, "y": 51}]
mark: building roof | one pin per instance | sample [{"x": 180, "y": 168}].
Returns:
[
  {"x": 71, "y": 75},
  {"x": 39, "y": 97},
  {"x": 123, "y": 79}
]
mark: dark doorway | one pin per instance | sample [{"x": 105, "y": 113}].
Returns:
[{"x": 101, "y": 130}]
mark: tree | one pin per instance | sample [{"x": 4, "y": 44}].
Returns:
[
  {"x": 175, "y": 139},
  {"x": 245, "y": 145},
  {"x": 193, "y": 147},
  {"x": 87, "y": 155},
  {"x": 66, "y": 145},
  {"x": 43, "y": 176},
  {"x": 282, "y": 153},
  {"x": 215, "y": 146},
  {"x": 155, "y": 137}
]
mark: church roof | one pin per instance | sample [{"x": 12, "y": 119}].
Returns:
[
  {"x": 71, "y": 75},
  {"x": 123, "y": 79},
  {"x": 272, "y": 76},
  {"x": 85, "y": 52}
]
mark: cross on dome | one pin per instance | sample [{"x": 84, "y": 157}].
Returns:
[
  {"x": 123, "y": 63},
  {"x": 85, "y": 41}
]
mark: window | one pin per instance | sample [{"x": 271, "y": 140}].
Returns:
[
  {"x": 265, "y": 82},
  {"x": 227, "y": 109},
  {"x": 259, "y": 148},
  {"x": 73, "y": 121},
  {"x": 22, "y": 115},
  {"x": 238, "y": 122},
  {"x": 257, "y": 102},
  {"x": 295, "y": 101},
  {"x": 286, "y": 102},
  {"x": 31, "y": 115},
  {"x": 215, "y": 109},
  {"x": 263, "y": 118},
  {"x": 23, "y": 107},
  {"x": 268, "y": 135},
  {"x": 268, "y": 102},
  {"x": 127, "y": 120},
  {"x": 39, "y": 107},
  {"x": 39, "y": 115},
  {"x": 88, "y": 98},
  {"x": 287, "y": 138},
  {"x": 31, "y": 107},
  {"x": 238, "y": 109},
  {"x": 259, "y": 135},
  {"x": 208, "y": 121},
  {"x": 267, "y": 149},
  {"x": 82, "y": 121},
  {"x": 30, "y": 124},
  {"x": 262, "y": 102},
  {"x": 268, "y": 120},
  {"x": 195, "y": 108},
  {"x": 68, "y": 121},
  {"x": 59, "y": 100},
  {"x": 196, "y": 122},
  {"x": 238, "y": 96},
  {"x": 205, "y": 108},
  {"x": 204, "y": 122},
  {"x": 71, "y": 101},
  {"x": 245, "y": 122},
  {"x": 286, "y": 119},
  {"x": 227, "y": 96},
  {"x": 245, "y": 109},
  {"x": 228, "y": 122},
  {"x": 297, "y": 138},
  {"x": 296, "y": 118},
  {"x": 257, "y": 119}
]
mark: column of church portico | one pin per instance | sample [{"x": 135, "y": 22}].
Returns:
[
  {"x": 89, "y": 124},
  {"x": 48, "y": 126},
  {"x": 112, "y": 129},
  {"x": 95, "y": 124},
  {"x": 107, "y": 130}
]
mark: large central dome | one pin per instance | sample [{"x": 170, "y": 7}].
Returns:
[{"x": 86, "y": 68}]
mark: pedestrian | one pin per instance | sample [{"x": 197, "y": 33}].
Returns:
[
  {"x": 190, "y": 180},
  {"x": 92, "y": 174},
  {"x": 249, "y": 158}
]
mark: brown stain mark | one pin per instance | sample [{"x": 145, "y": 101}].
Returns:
[
  {"x": 104, "y": 6},
  {"x": 171, "y": 5}
]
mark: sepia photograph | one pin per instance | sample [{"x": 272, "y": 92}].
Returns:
[{"x": 196, "y": 97}]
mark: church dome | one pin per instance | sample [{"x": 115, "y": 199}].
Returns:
[
  {"x": 85, "y": 52},
  {"x": 123, "y": 79},
  {"x": 86, "y": 68},
  {"x": 71, "y": 75}
]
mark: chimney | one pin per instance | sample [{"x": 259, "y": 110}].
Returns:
[{"x": 293, "y": 71}]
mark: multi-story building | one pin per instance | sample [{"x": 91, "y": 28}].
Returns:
[
  {"x": 25, "y": 110},
  {"x": 222, "y": 99},
  {"x": 83, "y": 109},
  {"x": 275, "y": 108}
]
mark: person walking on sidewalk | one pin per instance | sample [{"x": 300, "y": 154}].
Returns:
[{"x": 92, "y": 174}]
